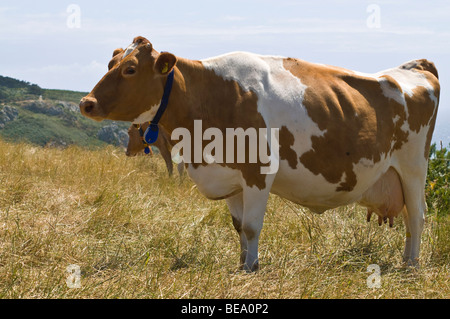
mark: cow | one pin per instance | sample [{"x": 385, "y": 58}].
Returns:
[
  {"x": 136, "y": 145},
  {"x": 343, "y": 136}
]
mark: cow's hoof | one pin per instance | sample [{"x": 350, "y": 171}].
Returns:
[
  {"x": 414, "y": 263},
  {"x": 253, "y": 268}
]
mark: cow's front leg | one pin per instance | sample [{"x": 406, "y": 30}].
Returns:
[{"x": 255, "y": 202}]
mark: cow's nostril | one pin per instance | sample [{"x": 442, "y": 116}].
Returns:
[{"x": 87, "y": 105}]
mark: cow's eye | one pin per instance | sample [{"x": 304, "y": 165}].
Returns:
[{"x": 130, "y": 70}]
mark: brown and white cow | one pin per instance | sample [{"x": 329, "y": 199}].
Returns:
[
  {"x": 163, "y": 143},
  {"x": 344, "y": 136}
]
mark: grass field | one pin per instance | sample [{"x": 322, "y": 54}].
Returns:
[{"x": 136, "y": 233}]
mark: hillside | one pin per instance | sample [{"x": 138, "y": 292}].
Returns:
[{"x": 51, "y": 117}]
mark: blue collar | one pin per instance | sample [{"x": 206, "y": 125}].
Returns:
[
  {"x": 147, "y": 149},
  {"x": 151, "y": 133}
]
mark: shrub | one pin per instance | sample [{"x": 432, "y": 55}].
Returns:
[{"x": 437, "y": 190}]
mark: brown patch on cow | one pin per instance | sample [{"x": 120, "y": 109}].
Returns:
[
  {"x": 436, "y": 91},
  {"x": 392, "y": 83},
  {"x": 357, "y": 117},
  {"x": 426, "y": 152},
  {"x": 286, "y": 152},
  {"x": 400, "y": 136},
  {"x": 420, "y": 108}
]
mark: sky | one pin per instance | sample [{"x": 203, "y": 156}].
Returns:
[{"x": 68, "y": 44}]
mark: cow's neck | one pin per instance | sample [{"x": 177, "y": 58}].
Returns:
[
  {"x": 185, "y": 102},
  {"x": 200, "y": 94}
]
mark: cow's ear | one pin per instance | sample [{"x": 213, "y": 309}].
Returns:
[
  {"x": 165, "y": 63},
  {"x": 117, "y": 51}
]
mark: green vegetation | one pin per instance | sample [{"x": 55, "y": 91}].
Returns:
[
  {"x": 12, "y": 90},
  {"x": 65, "y": 128},
  {"x": 63, "y": 95},
  {"x": 16, "y": 90},
  {"x": 13, "y": 83},
  {"x": 437, "y": 189},
  {"x": 41, "y": 130},
  {"x": 15, "y": 94}
]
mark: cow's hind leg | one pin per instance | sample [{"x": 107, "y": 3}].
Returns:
[
  {"x": 236, "y": 206},
  {"x": 407, "y": 251},
  {"x": 255, "y": 202},
  {"x": 414, "y": 215}
]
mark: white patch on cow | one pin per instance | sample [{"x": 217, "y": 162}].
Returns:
[
  {"x": 368, "y": 172},
  {"x": 129, "y": 49},
  {"x": 413, "y": 155},
  {"x": 396, "y": 95},
  {"x": 147, "y": 116},
  {"x": 390, "y": 92},
  {"x": 396, "y": 118},
  {"x": 405, "y": 126},
  {"x": 363, "y": 74},
  {"x": 432, "y": 117},
  {"x": 215, "y": 181},
  {"x": 409, "y": 78},
  {"x": 365, "y": 162},
  {"x": 407, "y": 81}
]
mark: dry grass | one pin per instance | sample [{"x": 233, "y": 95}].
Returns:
[{"x": 136, "y": 233}]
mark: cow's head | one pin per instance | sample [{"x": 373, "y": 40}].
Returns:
[
  {"x": 135, "y": 144},
  {"x": 133, "y": 85}
]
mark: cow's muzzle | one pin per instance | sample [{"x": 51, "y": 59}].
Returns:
[{"x": 89, "y": 107}]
